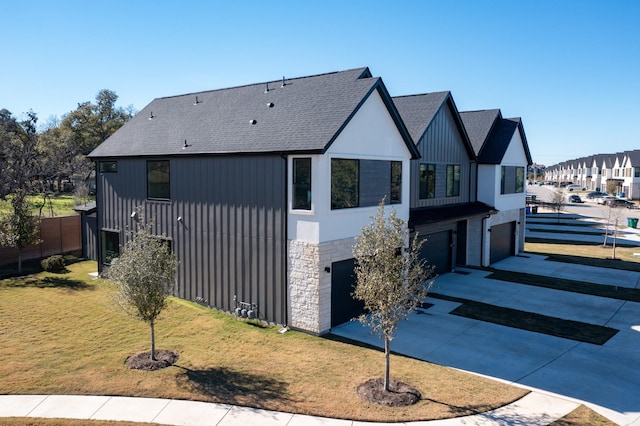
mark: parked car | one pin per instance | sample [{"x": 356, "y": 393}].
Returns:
[
  {"x": 576, "y": 188},
  {"x": 619, "y": 202},
  {"x": 596, "y": 194},
  {"x": 603, "y": 200},
  {"x": 574, "y": 198}
]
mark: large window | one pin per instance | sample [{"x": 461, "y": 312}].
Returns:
[
  {"x": 110, "y": 244},
  {"x": 427, "y": 181},
  {"x": 302, "y": 183},
  {"x": 453, "y": 180},
  {"x": 363, "y": 183},
  {"x": 158, "y": 182},
  {"x": 512, "y": 180},
  {"x": 345, "y": 176}
]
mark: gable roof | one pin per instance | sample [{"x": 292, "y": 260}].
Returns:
[
  {"x": 302, "y": 115},
  {"x": 491, "y": 134},
  {"x": 418, "y": 111}
]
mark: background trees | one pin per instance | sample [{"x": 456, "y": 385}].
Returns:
[{"x": 391, "y": 278}]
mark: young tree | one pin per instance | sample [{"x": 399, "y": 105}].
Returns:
[
  {"x": 144, "y": 276},
  {"x": 557, "y": 202},
  {"x": 391, "y": 279}
]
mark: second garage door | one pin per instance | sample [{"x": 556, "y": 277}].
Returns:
[
  {"x": 437, "y": 251},
  {"x": 503, "y": 242}
]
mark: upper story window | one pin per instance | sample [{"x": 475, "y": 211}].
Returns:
[
  {"x": 512, "y": 180},
  {"x": 427, "y": 181},
  {"x": 363, "y": 183},
  {"x": 108, "y": 166},
  {"x": 453, "y": 180},
  {"x": 302, "y": 183},
  {"x": 636, "y": 172},
  {"x": 158, "y": 180}
]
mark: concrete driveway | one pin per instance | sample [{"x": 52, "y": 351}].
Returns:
[{"x": 605, "y": 377}]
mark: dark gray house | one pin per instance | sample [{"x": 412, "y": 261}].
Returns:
[
  {"x": 444, "y": 206},
  {"x": 260, "y": 189}
]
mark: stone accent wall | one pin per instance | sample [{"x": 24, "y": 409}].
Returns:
[
  {"x": 309, "y": 286},
  {"x": 474, "y": 241}
]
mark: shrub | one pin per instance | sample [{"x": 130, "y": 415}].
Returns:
[{"x": 53, "y": 264}]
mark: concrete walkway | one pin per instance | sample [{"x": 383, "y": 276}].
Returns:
[{"x": 535, "y": 408}]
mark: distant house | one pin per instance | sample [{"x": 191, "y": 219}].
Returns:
[
  {"x": 503, "y": 155},
  {"x": 444, "y": 205},
  {"x": 261, "y": 189}
]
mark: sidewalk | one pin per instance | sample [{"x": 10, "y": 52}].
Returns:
[{"x": 536, "y": 408}]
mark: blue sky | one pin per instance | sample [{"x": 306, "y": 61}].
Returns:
[{"x": 569, "y": 68}]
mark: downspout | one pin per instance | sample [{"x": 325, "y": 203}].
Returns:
[{"x": 286, "y": 238}]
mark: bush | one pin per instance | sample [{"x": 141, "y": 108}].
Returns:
[{"x": 53, "y": 264}]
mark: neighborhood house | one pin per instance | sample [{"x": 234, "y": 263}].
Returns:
[{"x": 261, "y": 189}]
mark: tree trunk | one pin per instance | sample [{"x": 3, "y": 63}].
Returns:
[
  {"x": 153, "y": 341},
  {"x": 386, "y": 363}
]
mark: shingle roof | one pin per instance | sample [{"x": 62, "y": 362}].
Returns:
[
  {"x": 303, "y": 115},
  {"x": 418, "y": 111},
  {"x": 491, "y": 134},
  {"x": 479, "y": 125}
]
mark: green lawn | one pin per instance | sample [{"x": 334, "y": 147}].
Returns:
[{"x": 53, "y": 205}]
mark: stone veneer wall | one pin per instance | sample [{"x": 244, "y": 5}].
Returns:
[{"x": 309, "y": 286}]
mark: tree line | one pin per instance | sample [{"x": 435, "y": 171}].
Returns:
[{"x": 40, "y": 161}]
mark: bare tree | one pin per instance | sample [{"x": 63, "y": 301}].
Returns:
[
  {"x": 391, "y": 278},
  {"x": 557, "y": 201},
  {"x": 144, "y": 275}
]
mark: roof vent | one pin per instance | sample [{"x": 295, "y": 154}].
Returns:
[
  {"x": 283, "y": 83},
  {"x": 270, "y": 104},
  {"x": 266, "y": 90},
  {"x": 185, "y": 144},
  {"x": 252, "y": 121},
  {"x": 151, "y": 116},
  {"x": 197, "y": 101}
]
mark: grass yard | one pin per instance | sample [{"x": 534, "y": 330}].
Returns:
[
  {"x": 55, "y": 205},
  {"x": 587, "y": 254},
  {"x": 63, "y": 334}
]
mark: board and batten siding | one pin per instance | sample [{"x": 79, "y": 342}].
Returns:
[
  {"x": 231, "y": 236},
  {"x": 442, "y": 145}
]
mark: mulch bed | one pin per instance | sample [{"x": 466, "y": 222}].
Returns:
[
  {"x": 399, "y": 395},
  {"x": 143, "y": 361}
]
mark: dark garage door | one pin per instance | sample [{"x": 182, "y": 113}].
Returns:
[
  {"x": 437, "y": 251},
  {"x": 503, "y": 242},
  {"x": 343, "y": 306}
]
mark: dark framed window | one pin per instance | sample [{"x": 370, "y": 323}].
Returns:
[
  {"x": 427, "y": 181},
  {"x": 511, "y": 179},
  {"x": 158, "y": 179},
  {"x": 636, "y": 172},
  {"x": 108, "y": 166},
  {"x": 302, "y": 183},
  {"x": 396, "y": 182},
  {"x": 345, "y": 182},
  {"x": 110, "y": 245},
  {"x": 453, "y": 180}
]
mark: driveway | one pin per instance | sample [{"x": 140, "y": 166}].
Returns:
[{"x": 605, "y": 377}]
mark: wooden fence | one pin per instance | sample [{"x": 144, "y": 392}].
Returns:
[{"x": 59, "y": 235}]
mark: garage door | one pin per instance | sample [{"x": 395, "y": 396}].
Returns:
[
  {"x": 343, "y": 306},
  {"x": 503, "y": 242},
  {"x": 437, "y": 251}
]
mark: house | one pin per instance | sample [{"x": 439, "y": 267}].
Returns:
[
  {"x": 260, "y": 190},
  {"x": 444, "y": 205},
  {"x": 503, "y": 155}
]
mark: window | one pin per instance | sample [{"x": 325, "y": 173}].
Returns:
[
  {"x": 363, "y": 183},
  {"x": 158, "y": 182},
  {"x": 110, "y": 244},
  {"x": 108, "y": 166},
  {"x": 344, "y": 183},
  {"x": 636, "y": 172},
  {"x": 512, "y": 180},
  {"x": 302, "y": 183},
  {"x": 396, "y": 182},
  {"x": 453, "y": 180},
  {"x": 427, "y": 181}
]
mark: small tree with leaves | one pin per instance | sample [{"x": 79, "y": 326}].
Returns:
[
  {"x": 144, "y": 275},
  {"x": 391, "y": 278}
]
